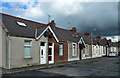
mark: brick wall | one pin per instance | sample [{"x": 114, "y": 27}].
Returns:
[
  {"x": 90, "y": 52},
  {"x": 70, "y": 51},
  {"x": 58, "y": 58}
]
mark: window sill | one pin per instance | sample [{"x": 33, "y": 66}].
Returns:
[
  {"x": 74, "y": 55},
  {"x": 28, "y": 57}
]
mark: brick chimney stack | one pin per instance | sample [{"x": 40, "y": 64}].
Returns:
[
  {"x": 52, "y": 24},
  {"x": 73, "y": 29},
  {"x": 109, "y": 40},
  {"x": 98, "y": 37},
  {"x": 87, "y": 33},
  {"x": 104, "y": 39}
]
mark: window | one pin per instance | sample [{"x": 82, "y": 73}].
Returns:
[
  {"x": 50, "y": 44},
  {"x": 74, "y": 49},
  {"x": 42, "y": 43},
  {"x": 86, "y": 49},
  {"x": 27, "y": 49},
  {"x": 21, "y": 24},
  {"x": 60, "y": 49},
  {"x": 99, "y": 50},
  {"x": 50, "y": 51},
  {"x": 103, "y": 50}
]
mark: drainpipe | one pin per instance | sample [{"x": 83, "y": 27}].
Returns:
[
  {"x": 91, "y": 45},
  {"x": 68, "y": 50},
  {"x": 36, "y": 33},
  {"x": 9, "y": 54}
]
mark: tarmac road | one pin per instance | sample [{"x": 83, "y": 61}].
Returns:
[{"x": 102, "y": 67}]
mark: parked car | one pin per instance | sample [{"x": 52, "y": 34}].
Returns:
[{"x": 112, "y": 54}]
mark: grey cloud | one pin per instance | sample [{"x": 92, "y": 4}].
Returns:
[{"x": 102, "y": 16}]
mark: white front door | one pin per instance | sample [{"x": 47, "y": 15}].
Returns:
[
  {"x": 42, "y": 53},
  {"x": 51, "y": 53}
]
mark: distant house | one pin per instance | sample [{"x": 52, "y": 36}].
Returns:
[
  {"x": 103, "y": 44},
  {"x": 87, "y": 50},
  {"x": 19, "y": 46},
  {"x": 96, "y": 48}
]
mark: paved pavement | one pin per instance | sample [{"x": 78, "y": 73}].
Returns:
[{"x": 100, "y": 67}]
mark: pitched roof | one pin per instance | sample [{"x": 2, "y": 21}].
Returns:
[
  {"x": 110, "y": 44},
  {"x": 102, "y": 42},
  {"x": 86, "y": 39},
  {"x": 65, "y": 35},
  {"x": 29, "y": 31},
  {"x": 16, "y": 30},
  {"x": 115, "y": 44}
]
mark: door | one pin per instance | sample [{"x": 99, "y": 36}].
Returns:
[
  {"x": 80, "y": 51},
  {"x": 51, "y": 53},
  {"x": 42, "y": 53}
]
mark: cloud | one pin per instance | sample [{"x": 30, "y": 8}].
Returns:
[
  {"x": 66, "y": 7},
  {"x": 113, "y": 38},
  {"x": 34, "y": 12},
  {"x": 27, "y": 9}
]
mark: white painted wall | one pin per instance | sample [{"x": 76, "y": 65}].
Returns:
[
  {"x": 104, "y": 51},
  {"x": 93, "y": 51}
]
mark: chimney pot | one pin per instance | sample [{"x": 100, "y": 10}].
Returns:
[
  {"x": 87, "y": 33},
  {"x": 104, "y": 39},
  {"x": 98, "y": 37},
  {"x": 73, "y": 29},
  {"x": 52, "y": 24}
]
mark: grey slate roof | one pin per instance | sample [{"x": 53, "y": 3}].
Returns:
[
  {"x": 15, "y": 30},
  {"x": 110, "y": 44},
  {"x": 102, "y": 42},
  {"x": 40, "y": 30},
  {"x": 64, "y": 35},
  {"x": 86, "y": 39},
  {"x": 29, "y": 31}
]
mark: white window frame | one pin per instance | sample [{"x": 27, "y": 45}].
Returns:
[
  {"x": 87, "y": 52},
  {"x": 60, "y": 48},
  {"x": 75, "y": 53},
  {"x": 21, "y": 24},
  {"x": 28, "y": 46}
]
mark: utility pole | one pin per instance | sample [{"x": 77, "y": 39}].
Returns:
[
  {"x": 68, "y": 22},
  {"x": 91, "y": 44},
  {"x": 48, "y": 18}
]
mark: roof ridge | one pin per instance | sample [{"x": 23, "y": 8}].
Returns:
[
  {"x": 21, "y": 18},
  {"x": 41, "y": 26},
  {"x": 63, "y": 29}
]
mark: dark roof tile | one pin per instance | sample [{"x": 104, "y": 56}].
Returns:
[{"x": 15, "y": 30}]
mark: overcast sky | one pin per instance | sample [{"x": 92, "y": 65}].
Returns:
[{"x": 85, "y": 16}]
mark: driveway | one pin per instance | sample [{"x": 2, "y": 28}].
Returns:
[{"x": 101, "y": 67}]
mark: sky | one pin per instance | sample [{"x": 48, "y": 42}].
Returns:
[{"x": 99, "y": 18}]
